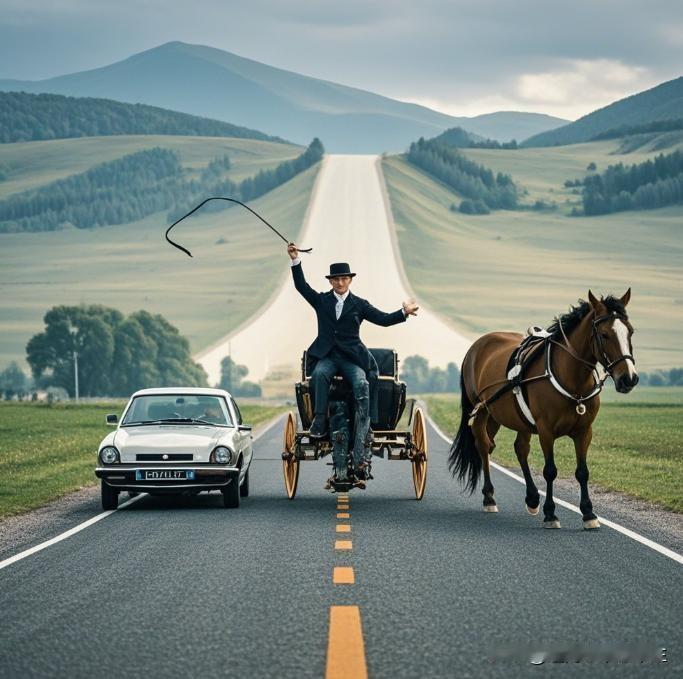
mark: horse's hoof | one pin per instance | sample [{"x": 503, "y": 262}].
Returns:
[
  {"x": 532, "y": 510},
  {"x": 591, "y": 524},
  {"x": 490, "y": 508},
  {"x": 552, "y": 524}
]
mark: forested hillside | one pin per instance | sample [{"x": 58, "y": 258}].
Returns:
[
  {"x": 629, "y": 130},
  {"x": 32, "y": 117},
  {"x": 476, "y": 182},
  {"x": 654, "y": 183},
  {"x": 135, "y": 186},
  {"x": 664, "y": 102},
  {"x": 456, "y": 137}
]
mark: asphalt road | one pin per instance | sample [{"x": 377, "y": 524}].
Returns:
[{"x": 182, "y": 587}]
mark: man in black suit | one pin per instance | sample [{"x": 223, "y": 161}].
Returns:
[{"x": 338, "y": 347}]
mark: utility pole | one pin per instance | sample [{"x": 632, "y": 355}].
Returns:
[
  {"x": 73, "y": 331},
  {"x": 76, "y": 374}
]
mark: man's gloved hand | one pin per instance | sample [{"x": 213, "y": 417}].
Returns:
[{"x": 410, "y": 308}]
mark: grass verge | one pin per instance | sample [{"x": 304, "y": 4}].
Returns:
[
  {"x": 49, "y": 451},
  {"x": 637, "y": 444}
]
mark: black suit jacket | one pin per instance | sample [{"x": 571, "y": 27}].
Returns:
[{"x": 343, "y": 333}]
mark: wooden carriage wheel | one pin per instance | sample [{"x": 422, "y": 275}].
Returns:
[
  {"x": 290, "y": 465},
  {"x": 419, "y": 453}
]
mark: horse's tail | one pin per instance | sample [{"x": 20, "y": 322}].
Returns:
[{"x": 463, "y": 459}]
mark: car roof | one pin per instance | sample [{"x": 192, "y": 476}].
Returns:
[{"x": 202, "y": 391}]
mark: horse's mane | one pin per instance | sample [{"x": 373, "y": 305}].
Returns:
[{"x": 577, "y": 313}]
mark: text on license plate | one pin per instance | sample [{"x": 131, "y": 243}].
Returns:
[{"x": 164, "y": 475}]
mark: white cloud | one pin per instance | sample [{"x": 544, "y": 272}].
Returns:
[{"x": 582, "y": 84}]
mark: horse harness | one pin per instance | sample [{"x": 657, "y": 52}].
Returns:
[{"x": 537, "y": 340}]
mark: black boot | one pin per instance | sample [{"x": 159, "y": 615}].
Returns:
[{"x": 318, "y": 428}]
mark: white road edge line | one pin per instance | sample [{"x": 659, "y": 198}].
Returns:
[
  {"x": 81, "y": 526},
  {"x": 66, "y": 534},
  {"x": 567, "y": 505}
]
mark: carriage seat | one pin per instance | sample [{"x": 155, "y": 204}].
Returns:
[{"x": 387, "y": 393}]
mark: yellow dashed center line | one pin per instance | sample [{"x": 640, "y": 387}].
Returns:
[
  {"x": 343, "y": 575},
  {"x": 345, "y": 646}
]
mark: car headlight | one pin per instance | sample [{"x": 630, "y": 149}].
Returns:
[
  {"x": 109, "y": 455},
  {"x": 222, "y": 455}
]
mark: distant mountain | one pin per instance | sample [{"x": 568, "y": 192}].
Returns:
[
  {"x": 456, "y": 137},
  {"x": 216, "y": 84},
  {"x": 509, "y": 125},
  {"x": 663, "y": 102},
  {"x": 31, "y": 117}
]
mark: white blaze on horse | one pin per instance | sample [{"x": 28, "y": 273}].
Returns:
[{"x": 545, "y": 384}]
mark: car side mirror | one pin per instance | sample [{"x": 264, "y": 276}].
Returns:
[
  {"x": 244, "y": 427},
  {"x": 112, "y": 419}
]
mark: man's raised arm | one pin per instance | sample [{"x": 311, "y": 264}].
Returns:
[
  {"x": 374, "y": 315},
  {"x": 304, "y": 289}
]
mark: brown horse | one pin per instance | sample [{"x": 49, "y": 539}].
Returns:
[{"x": 555, "y": 393}]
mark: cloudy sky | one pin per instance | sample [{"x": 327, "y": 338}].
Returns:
[{"x": 462, "y": 57}]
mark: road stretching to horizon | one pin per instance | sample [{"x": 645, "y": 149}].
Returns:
[
  {"x": 347, "y": 221},
  {"x": 379, "y": 585}
]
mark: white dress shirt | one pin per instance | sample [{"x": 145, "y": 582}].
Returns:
[{"x": 340, "y": 303}]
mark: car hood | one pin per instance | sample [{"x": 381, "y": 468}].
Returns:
[{"x": 198, "y": 440}]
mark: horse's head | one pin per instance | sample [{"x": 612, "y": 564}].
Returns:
[{"x": 612, "y": 339}]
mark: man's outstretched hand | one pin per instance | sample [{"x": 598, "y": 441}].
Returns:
[
  {"x": 292, "y": 251},
  {"x": 410, "y": 308}
]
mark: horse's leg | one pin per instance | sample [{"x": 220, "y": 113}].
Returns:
[
  {"x": 480, "y": 430},
  {"x": 582, "y": 440},
  {"x": 492, "y": 428},
  {"x": 549, "y": 474},
  {"x": 522, "y": 447}
]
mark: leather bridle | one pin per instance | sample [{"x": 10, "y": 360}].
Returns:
[{"x": 597, "y": 339}]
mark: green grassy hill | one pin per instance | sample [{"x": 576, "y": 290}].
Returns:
[
  {"x": 511, "y": 269},
  {"x": 236, "y": 265},
  {"x": 32, "y": 164}
]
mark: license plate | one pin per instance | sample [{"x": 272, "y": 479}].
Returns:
[{"x": 164, "y": 475}]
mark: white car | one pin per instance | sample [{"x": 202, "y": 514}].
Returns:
[{"x": 176, "y": 440}]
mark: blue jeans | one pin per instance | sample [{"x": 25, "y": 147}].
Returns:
[{"x": 326, "y": 368}]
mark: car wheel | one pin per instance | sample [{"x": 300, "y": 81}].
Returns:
[
  {"x": 110, "y": 496},
  {"x": 231, "y": 494},
  {"x": 244, "y": 488}
]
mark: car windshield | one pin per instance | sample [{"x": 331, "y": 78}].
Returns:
[{"x": 177, "y": 408}]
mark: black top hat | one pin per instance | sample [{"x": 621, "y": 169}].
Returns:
[{"x": 340, "y": 269}]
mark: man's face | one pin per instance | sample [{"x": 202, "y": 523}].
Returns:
[{"x": 340, "y": 284}]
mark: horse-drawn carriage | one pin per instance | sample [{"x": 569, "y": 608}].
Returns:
[{"x": 389, "y": 407}]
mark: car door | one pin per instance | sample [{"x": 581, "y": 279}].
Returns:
[{"x": 243, "y": 435}]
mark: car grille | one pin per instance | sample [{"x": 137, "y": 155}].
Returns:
[{"x": 164, "y": 457}]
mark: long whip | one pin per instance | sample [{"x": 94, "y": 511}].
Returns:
[{"x": 230, "y": 200}]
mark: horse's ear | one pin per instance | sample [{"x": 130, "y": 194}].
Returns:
[
  {"x": 627, "y": 296},
  {"x": 594, "y": 301}
]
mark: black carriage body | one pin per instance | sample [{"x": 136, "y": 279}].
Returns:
[
  {"x": 388, "y": 394},
  {"x": 388, "y": 402}
]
